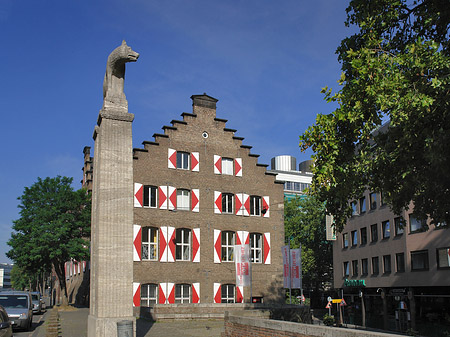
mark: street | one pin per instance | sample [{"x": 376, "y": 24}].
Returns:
[{"x": 38, "y": 321}]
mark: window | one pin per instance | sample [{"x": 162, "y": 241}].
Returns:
[
  {"x": 387, "y": 264},
  {"x": 354, "y": 206},
  {"x": 364, "y": 266},
  {"x": 416, "y": 225},
  {"x": 227, "y": 295},
  {"x": 150, "y": 196},
  {"x": 355, "y": 267},
  {"x": 227, "y": 203},
  {"x": 255, "y": 205},
  {"x": 443, "y": 257},
  {"x": 362, "y": 204},
  {"x": 375, "y": 265},
  {"x": 228, "y": 241},
  {"x": 345, "y": 240},
  {"x": 149, "y": 293},
  {"x": 183, "y": 160},
  {"x": 227, "y": 166},
  {"x": 149, "y": 243},
  {"x": 374, "y": 233},
  {"x": 386, "y": 229},
  {"x": 182, "y": 293},
  {"x": 295, "y": 186},
  {"x": 183, "y": 244},
  {"x": 183, "y": 201},
  {"x": 419, "y": 260},
  {"x": 373, "y": 201},
  {"x": 354, "y": 238},
  {"x": 400, "y": 261},
  {"x": 382, "y": 201},
  {"x": 346, "y": 269},
  {"x": 256, "y": 247},
  {"x": 399, "y": 223},
  {"x": 363, "y": 236}
]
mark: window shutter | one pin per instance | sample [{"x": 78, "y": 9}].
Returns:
[
  {"x": 195, "y": 200},
  {"x": 239, "y": 238},
  {"x": 265, "y": 206},
  {"x": 245, "y": 237},
  {"x": 171, "y": 244},
  {"x": 162, "y": 191},
  {"x": 137, "y": 242},
  {"x": 163, "y": 244},
  {"x": 246, "y": 205},
  {"x": 170, "y": 293},
  {"x": 240, "y": 294},
  {"x": 172, "y": 162},
  {"x": 172, "y": 196},
  {"x": 195, "y": 162},
  {"x": 195, "y": 292},
  {"x": 238, "y": 167},
  {"x": 162, "y": 293},
  {"x": 217, "y": 202},
  {"x": 267, "y": 248},
  {"x": 136, "y": 294},
  {"x": 217, "y": 164},
  {"x": 217, "y": 293},
  {"x": 196, "y": 245},
  {"x": 238, "y": 203},
  {"x": 138, "y": 195},
  {"x": 217, "y": 246}
]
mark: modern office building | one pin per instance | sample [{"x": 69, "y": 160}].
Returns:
[{"x": 5, "y": 276}]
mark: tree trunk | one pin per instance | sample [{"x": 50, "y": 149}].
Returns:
[{"x": 60, "y": 273}]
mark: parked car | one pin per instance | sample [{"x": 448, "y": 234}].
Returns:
[
  {"x": 37, "y": 303},
  {"x": 5, "y": 324},
  {"x": 19, "y": 308}
]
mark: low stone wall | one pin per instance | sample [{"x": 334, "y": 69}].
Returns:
[{"x": 257, "y": 327}]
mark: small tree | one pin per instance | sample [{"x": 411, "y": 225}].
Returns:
[{"x": 53, "y": 226}]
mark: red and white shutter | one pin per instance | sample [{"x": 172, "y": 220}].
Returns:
[
  {"x": 266, "y": 206},
  {"x": 196, "y": 245},
  {"x": 172, "y": 162},
  {"x": 163, "y": 247},
  {"x": 195, "y": 292},
  {"x": 138, "y": 195},
  {"x": 246, "y": 205},
  {"x": 217, "y": 293},
  {"x": 240, "y": 294},
  {"x": 170, "y": 293},
  {"x": 217, "y": 164},
  {"x": 162, "y": 293},
  {"x": 162, "y": 197},
  {"x": 244, "y": 238},
  {"x": 136, "y": 294},
  {"x": 137, "y": 243},
  {"x": 217, "y": 202},
  {"x": 238, "y": 203},
  {"x": 195, "y": 200},
  {"x": 217, "y": 246},
  {"x": 238, "y": 167},
  {"x": 267, "y": 248},
  {"x": 195, "y": 161},
  {"x": 172, "y": 197},
  {"x": 171, "y": 244}
]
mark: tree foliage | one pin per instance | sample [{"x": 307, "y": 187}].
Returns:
[
  {"x": 396, "y": 68},
  {"x": 53, "y": 226},
  {"x": 304, "y": 223}
]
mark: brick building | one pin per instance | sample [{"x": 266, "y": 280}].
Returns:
[{"x": 198, "y": 191}]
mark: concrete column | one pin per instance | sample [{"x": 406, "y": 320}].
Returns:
[
  {"x": 412, "y": 308},
  {"x": 385, "y": 316}
]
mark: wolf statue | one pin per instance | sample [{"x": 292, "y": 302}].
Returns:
[{"x": 113, "y": 95}]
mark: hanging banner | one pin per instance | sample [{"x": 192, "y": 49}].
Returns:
[
  {"x": 285, "y": 253},
  {"x": 243, "y": 266},
  {"x": 296, "y": 269}
]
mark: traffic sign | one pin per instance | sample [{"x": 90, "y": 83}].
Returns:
[
  {"x": 329, "y": 298},
  {"x": 328, "y": 305},
  {"x": 343, "y": 303},
  {"x": 337, "y": 300}
]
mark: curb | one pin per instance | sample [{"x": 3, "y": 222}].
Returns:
[{"x": 53, "y": 326}]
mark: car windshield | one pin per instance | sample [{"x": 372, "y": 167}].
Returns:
[
  {"x": 35, "y": 297},
  {"x": 13, "y": 301}
]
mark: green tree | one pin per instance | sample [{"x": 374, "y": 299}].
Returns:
[
  {"x": 304, "y": 223},
  {"x": 53, "y": 226},
  {"x": 396, "y": 68},
  {"x": 21, "y": 279}
]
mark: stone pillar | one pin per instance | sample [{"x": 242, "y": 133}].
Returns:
[{"x": 111, "y": 297}]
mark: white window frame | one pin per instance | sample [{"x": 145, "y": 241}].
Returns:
[
  {"x": 150, "y": 199},
  {"x": 228, "y": 293},
  {"x": 183, "y": 160},
  {"x": 183, "y": 200},
  {"x": 255, "y": 205},
  {"x": 182, "y": 293},
  {"x": 227, "y": 166},
  {"x": 183, "y": 245},
  {"x": 228, "y": 242},
  {"x": 443, "y": 256},
  {"x": 150, "y": 244},
  {"x": 147, "y": 301},
  {"x": 256, "y": 252},
  {"x": 227, "y": 199}
]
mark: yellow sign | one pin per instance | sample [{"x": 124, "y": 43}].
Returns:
[{"x": 339, "y": 300}]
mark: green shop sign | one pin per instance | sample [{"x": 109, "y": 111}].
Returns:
[{"x": 354, "y": 283}]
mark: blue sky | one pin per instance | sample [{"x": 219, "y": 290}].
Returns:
[{"x": 265, "y": 61}]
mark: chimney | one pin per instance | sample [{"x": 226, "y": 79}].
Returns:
[{"x": 203, "y": 101}]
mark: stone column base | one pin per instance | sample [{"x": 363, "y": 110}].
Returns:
[{"x": 107, "y": 326}]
